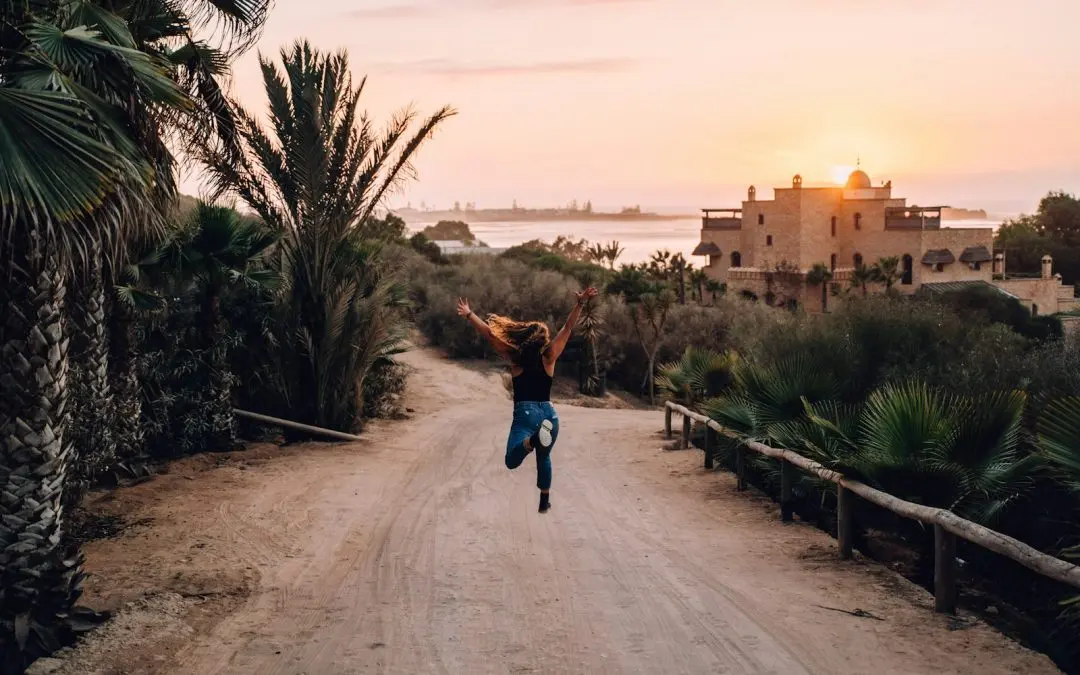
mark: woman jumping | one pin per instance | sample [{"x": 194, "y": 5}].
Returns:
[{"x": 532, "y": 354}]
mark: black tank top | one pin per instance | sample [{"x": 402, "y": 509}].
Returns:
[{"x": 533, "y": 384}]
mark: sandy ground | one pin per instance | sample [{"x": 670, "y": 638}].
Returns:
[{"x": 417, "y": 552}]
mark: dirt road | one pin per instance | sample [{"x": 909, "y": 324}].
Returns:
[{"x": 417, "y": 552}]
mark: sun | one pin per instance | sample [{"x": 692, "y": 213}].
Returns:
[{"x": 839, "y": 173}]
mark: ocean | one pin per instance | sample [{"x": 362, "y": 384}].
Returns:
[{"x": 640, "y": 238}]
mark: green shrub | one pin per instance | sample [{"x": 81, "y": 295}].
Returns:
[{"x": 492, "y": 285}]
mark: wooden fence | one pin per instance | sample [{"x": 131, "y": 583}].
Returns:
[{"x": 947, "y": 525}]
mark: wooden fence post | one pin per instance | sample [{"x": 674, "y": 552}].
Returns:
[
  {"x": 686, "y": 431},
  {"x": 787, "y": 473},
  {"x": 845, "y": 503},
  {"x": 740, "y": 467},
  {"x": 945, "y": 590},
  {"x": 667, "y": 422},
  {"x": 710, "y": 446}
]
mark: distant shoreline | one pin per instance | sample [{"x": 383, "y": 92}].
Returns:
[{"x": 529, "y": 215}]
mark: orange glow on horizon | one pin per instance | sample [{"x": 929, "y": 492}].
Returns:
[{"x": 839, "y": 173}]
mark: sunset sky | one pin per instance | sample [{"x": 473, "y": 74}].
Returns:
[{"x": 686, "y": 102}]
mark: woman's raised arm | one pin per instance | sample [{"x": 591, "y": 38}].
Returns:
[
  {"x": 559, "y": 343},
  {"x": 481, "y": 327}
]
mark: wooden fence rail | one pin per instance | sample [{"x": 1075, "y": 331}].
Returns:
[{"x": 947, "y": 525}]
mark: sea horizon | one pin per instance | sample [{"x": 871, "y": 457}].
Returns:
[{"x": 640, "y": 239}]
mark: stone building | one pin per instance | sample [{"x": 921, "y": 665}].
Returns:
[{"x": 768, "y": 248}]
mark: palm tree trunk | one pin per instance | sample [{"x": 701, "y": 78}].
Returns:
[
  {"x": 36, "y": 584},
  {"x": 127, "y": 425},
  {"x": 91, "y": 404}
]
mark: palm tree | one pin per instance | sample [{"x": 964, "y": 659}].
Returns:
[
  {"x": 886, "y": 271},
  {"x": 84, "y": 168},
  {"x": 820, "y": 275},
  {"x": 715, "y": 288},
  {"x": 218, "y": 248},
  {"x": 861, "y": 278},
  {"x": 612, "y": 252},
  {"x": 92, "y": 402},
  {"x": 75, "y": 175},
  {"x": 697, "y": 284},
  {"x": 597, "y": 253},
  {"x": 320, "y": 171}
]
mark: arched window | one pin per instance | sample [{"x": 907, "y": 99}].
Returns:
[
  {"x": 832, "y": 262},
  {"x": 768, "y": 240},
  {"x": 761, "y": 219},
  {"x": 858, "y": 221},
  {"x": 905, "y": 278},
  {"x": 857, "y": 260},
  {"x": 736, "y": 259},
  {"x": 833, "y": 225}
]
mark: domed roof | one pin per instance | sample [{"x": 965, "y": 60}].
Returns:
[{"x": 858, "y": 180}]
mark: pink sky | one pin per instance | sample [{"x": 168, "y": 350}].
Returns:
[{"x": 687, "y": 102}]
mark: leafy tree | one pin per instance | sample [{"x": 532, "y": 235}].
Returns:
[
  {"x": 450, "y": 230},
  {"x": 1054, "y": 229},
  {"x": 390, "y": 228},
  {"x": 322, "y": 172},
  {"x": 632, "y": 282}
]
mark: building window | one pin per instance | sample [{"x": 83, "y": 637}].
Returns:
[
  {"x": 976, "y": 266},
  {"x": 939, "y": 267},
  {"x": 768, "y": 240},
  {"x": 832, "y": 262},
  {"x": 761, "y": 219},
  {"x": 857, "y": 260},
  {"x": 905, "y": 279},
  {"x": 858, "y": 221},
  {"x": 1034, "y": 310},
  {"x": 833, "y": 226},
  {"x": 736, "y": 259}
]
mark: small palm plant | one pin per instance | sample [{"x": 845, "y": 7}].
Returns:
[
  {"x": 1058, "y": 431},
  {"x": 960, "y": 453},
  {"x": 820, "y": 275},
  {"x": 861, "y": 278},
  {"x": 886, "y": 271},
  {"x": 699, "y": 374},
  {"x": 590, "y": 327}
]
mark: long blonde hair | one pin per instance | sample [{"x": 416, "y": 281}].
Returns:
[{"x": 529, "y": 339}]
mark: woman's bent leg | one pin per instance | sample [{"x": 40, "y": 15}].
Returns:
[{"x": 521, "y": 430}]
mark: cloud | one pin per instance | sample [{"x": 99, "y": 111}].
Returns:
[
  {"x": 450, "y": 68},
  {"x": 415, "y": 10}
]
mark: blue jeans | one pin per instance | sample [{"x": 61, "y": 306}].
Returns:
[{"x": 527, "y": 418}]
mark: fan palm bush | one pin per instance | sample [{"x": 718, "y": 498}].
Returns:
[
  {"x": 699, "y": 374},
  {"x": 217, "y": 248},
  {"x": 314, "y": 177}
]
